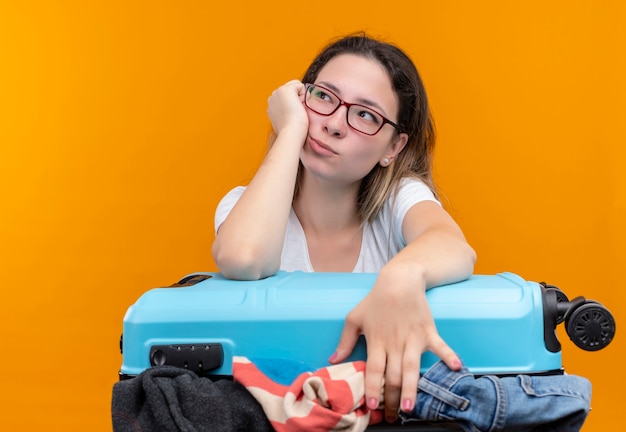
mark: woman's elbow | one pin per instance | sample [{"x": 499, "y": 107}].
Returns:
[
  {"x": 469, "y": 259},
  {"x": 241, "y": 264}
]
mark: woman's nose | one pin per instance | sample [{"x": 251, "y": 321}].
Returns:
[{"x": 336, "y": 124}]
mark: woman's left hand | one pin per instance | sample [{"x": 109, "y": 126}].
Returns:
[{"x": 398, "y": 326}]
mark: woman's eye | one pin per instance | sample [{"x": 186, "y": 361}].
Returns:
[
  {"x": 321, "y": 95},
  {"x": 369, "y": 116}
]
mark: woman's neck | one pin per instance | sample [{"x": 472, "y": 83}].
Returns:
[
  {"x": 326, "y": 208},
  {"x": 328, "y": 216}
]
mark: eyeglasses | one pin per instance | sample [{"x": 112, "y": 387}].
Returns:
[{"x": 359, "y": 117}]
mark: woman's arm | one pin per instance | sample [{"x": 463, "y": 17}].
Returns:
[
  {"x": 435, "y": 241},
  {"x": 248, "y": 244},
  {"x": 395, "y": 316}
]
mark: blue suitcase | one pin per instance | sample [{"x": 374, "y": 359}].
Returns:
[{"x": 498, "y": 324}]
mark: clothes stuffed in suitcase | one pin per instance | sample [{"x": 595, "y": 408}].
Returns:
[{"x": 498, "y": 324}]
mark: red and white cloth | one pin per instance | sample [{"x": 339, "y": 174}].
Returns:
[{"x": 329, "y": 399}]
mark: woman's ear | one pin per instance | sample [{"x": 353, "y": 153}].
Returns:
[{"x": 395, "y": 147}]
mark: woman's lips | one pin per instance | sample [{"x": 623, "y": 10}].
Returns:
[{"x": 321, "y": 148}]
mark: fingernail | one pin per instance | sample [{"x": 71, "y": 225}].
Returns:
[
  {"x": 390, "y": 419},
  {"x": 332, "y": 357},
  {"x": 372, "y": 403},
  {"x": 407, "y": 405}
]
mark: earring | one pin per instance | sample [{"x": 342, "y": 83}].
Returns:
[{"x": 386, "y": 161}]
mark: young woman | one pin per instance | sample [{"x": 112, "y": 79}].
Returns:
[{"x": 347, "y": 187}]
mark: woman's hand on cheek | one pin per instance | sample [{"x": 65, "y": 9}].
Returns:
[
  {"x": 398, "y": 327},
  {"x": 285, "y": 108}
]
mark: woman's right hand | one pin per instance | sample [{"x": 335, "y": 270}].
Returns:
[{"x": 285, "y": 108}]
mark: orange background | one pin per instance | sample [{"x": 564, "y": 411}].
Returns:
[{"x": 123, "y": 123}]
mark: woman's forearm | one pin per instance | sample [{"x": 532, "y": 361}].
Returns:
[
  {"x": 438, "y": 256},
  {"x": 248, "y": 244},
  {"x": 436, "y": 251}
]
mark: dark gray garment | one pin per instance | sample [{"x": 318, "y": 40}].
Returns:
[{"x": 167, "y": 398}]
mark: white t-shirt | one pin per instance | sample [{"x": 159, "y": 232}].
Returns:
[{"x": 382, "y": 239}]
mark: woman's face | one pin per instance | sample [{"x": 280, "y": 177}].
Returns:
[{"x": 333, "y": 150}]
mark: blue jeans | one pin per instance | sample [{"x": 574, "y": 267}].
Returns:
[{"x": 489, "y": 403}]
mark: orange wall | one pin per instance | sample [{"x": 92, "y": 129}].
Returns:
[{"x": 123, "y": 123}]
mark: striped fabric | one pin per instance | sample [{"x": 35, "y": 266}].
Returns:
[{"x": 329, "y": 399}]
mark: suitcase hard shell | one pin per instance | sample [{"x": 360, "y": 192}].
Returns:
[{"x": 498, "y": 324}]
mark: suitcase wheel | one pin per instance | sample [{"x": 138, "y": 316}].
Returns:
[{"x": 590, "y": 326}]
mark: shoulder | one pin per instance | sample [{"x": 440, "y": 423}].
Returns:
[
  {"x": 387, "y": 226},
  {"x": 410, "y": 191}
]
